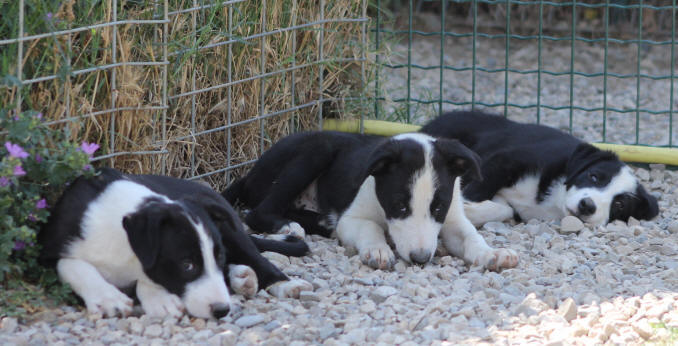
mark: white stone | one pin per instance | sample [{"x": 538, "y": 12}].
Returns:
[
  {"x": 570, "y": 224},
  {"x": 249, "y": 321},
  {"x": 381, "y": 293}
]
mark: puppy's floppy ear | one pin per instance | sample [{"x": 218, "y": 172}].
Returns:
[
  {"x": 219, "y": 210},
  {"x": 460, "y": 159},
  {"x": 382, "y": 157},
  {"x": 143, "y": 229},
  {"x": 583, "y": 157},
  {"x": 647, "y": 207}
]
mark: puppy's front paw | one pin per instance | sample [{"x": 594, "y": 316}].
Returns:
[
  {"x": 378, "y": 257},
  {"x": 243, "y": 280},
  {"x": 294, "y": 229},
  {"x": 498, "y": 259},
  {"x": 109, "y": 302},
  {"x": 289, "y": 289},
  {"x": 163, "y": 304}
]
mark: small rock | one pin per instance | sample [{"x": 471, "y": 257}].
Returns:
[
  {"x": 673, "y": 226},
  {"x": 249, "y": 321},
  {"x": 136, "y": 327},
  {"x": 382, "y": 293},
  {"x": 271, "y": 326},
  {"x": 202, "y": 335},
  {"x": 223, "y": 338},
  {"x": 643, "y": 329},
  {"x": 153, "y": 331},
  {"x": 568, "y": 309},
  {"x": 308, "y": 296},
  {"x": 531, "y": 306},
  {"x": 570, "y": 224}
]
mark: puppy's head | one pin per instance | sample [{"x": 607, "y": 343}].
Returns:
[
  {"x": 600, "y": 188},
  {"x": 180, "y": 249},
  {"x": 414, "y": 175}
]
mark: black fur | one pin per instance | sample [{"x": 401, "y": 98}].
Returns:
[
  {"x": 232, "y": 244},
  {"x": 339, "y": 163},
  {"x": 511, "y": 150}
]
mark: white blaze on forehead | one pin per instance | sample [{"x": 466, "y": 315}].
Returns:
[
  {"x": 418, "y": 231},
  {"x": 210, "y": 288}
]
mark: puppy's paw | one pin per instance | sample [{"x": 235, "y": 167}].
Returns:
[
  {"x": 378, "y": 257},
  {"x": 498, "y": 259},
  {"x": 162, "y": 304},
  {"x": 294, "y": 229},
  {"x": 289, "y": 289},
  {"x": 109, "y": 302},
  {"x": 243, "y": 280}
]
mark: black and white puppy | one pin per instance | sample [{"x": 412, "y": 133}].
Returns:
[
  {"x": 173, "y": 238},
  {"x": 534, "y": 171},
  {"x": 368, "y": 189}
]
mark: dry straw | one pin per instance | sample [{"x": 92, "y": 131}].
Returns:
[{"x": 189, "y": 68}]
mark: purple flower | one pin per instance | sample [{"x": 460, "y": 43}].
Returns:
[
  {"x": 41, "y": 204},
  {"x": 87, "y": 168},
  {"x": 89, "y": 148},
  {"x": 48, "y": 16},
  {"x": 19, "y": 171},
  {"x": 16, "y": 150},
  {"x": 38, "y": 158},
  {"x": 4, "y": 181},
  {"x": 39, "y": 115},
  {"x": 32, "y": 218},
  {"x": 16, "y": 118},
  {"x": 19, "y": 245}
]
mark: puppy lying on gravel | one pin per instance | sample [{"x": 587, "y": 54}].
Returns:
[
  {"x": 537, "y": 172},
  {"x": 179, "y": 242},
  {"x": 369, "y": 189}
]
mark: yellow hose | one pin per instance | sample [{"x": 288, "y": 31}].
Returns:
[{"x": 628, "y": 153}]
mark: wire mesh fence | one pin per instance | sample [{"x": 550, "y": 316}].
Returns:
[
  {"x": 192, "y": 88},
  {"x": 603, "y": 69}
]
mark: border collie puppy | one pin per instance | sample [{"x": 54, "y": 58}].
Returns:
[
  {"x": 174, "y": 239},
  {"x": 368, "y": 189},
  {"x": 534, "y": 171}
]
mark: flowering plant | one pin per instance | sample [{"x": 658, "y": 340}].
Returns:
[{"x": 36, "y": 162}]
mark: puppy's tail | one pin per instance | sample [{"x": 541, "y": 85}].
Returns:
[
  {"x": 233, "y": 191},
  {"x": 288, "y": 246}
]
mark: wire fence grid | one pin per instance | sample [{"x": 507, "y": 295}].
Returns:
[
  {"x": 647, "y": 26},
  {"x": 199, "y": 89},
  {"x": 192, "y": 88}
]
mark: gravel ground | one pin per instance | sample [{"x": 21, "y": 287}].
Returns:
[
  {"x": 578, "y": 285},
  {"x": 574, "y": 285}
]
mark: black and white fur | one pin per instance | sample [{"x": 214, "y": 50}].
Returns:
[
  {"x": 369, "y": 189},
  {"x": 536, "y": 172},
  {"x": 174, "y": 239}
]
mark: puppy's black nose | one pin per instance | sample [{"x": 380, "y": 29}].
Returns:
[
  {"x": 219, "y": 310},
  {"x": 420, "y": 256},
  {"x": 586, "y": 207}
]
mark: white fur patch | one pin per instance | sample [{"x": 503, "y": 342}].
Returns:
[
  {"x": 461, "y": 239},
  {"x": 210, "y": 288},
  {"x": 522, "y": 197},
  {"x": 99, "y": 295},
  {"x": 419, "y": 231}
]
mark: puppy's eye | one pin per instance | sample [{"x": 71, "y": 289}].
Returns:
[
  {"x": 593, "y": 177},
  {"x": 187, "y": 266}
]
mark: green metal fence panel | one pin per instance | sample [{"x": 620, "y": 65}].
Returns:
[{"x": 615, "y": 30}]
